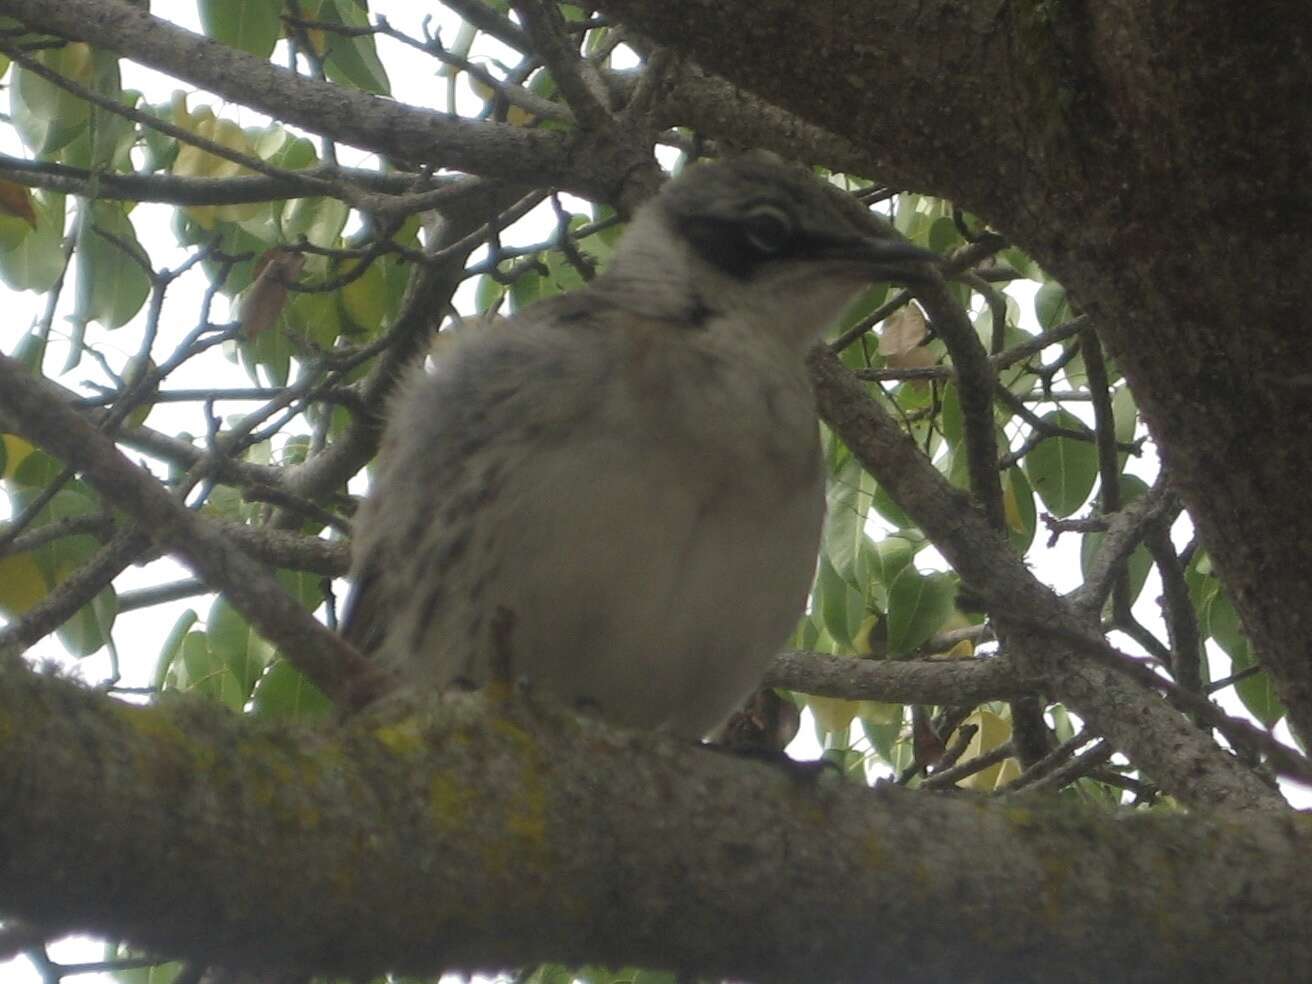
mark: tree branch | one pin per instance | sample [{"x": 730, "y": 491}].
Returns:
[
  {"x": 898, "y": 681},
  {"x": 177, "y": 190},
  {"x": 576, "y": 79},
  {"x": 1125, "y": 531},
  {"x": 374, "y": 839}
]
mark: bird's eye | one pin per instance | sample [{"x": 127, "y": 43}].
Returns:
[{"x": 768, "y": 229}]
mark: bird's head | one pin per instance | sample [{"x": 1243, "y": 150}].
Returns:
[{"x": 768, "y": 239}]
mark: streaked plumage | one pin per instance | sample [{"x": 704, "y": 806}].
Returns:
[{"x": 631, "y": 470}]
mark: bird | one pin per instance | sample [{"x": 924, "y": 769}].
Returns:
[{"x": 615, "y": 495}]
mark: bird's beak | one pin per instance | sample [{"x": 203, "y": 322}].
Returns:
[{"x": 892, "y": 260}]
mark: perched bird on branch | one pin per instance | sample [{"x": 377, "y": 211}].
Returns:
[{"x": 616, "y": 494}]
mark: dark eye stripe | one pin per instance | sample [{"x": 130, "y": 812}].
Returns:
[{"x": 727, "y": 244}]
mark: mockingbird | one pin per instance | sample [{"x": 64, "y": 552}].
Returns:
[{"x": 616, "y": 494}]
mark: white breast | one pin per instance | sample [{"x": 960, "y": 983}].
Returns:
[{"x": 655, "y": 561}]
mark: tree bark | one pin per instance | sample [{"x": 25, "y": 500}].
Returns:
[{"x": 475, "y": 834}]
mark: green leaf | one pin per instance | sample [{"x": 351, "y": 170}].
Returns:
[
  {"x": 908, "y": 218},
  {"x": 31, "y": 352},
  {"x": 168, "y": 653},
  {"x": 951, "y": 421},
  {"x": 600, "y": 247},
  {"x": 1201, "y": 581},
  {"x": 251, "y": 25},
  {"x": 1125, "y": 417},
  {"x": 35, "y": 470},
  {"x": 161, "y": 973},
  {"x": 848, "y": 497},
  {"x": 161, "y": 149},
  {"x": 805, "y": 635},
  {"x": 1018, "y": 507},
  {"x": 884, "y": 505},
  {"x": 111, "y": 285},
  {"x": 1021, "y": 263},
  {"x": 1062, "y": 469},
  {"x": 1050, "y": 307},
  {"x": 106, "y": 142},
  {"x": 234, "y": 240},
  {"x": 943, "y": 235},
  {"x": 918, "y": 605},
  {"x": 883, "y": 563},
  {"x": 46, "y": 116},
  {"x": 295, "y": 451},
  {"x": 305, "y": 587},
  {"x": 865, "y": 304},
  {"x": 225, "y": 502},
  {"x": 88, "y": 630},
  {"x": 319, "y": 220},
  {"x": 564, "y": 275},
  {"x": 958, "y": 467},
  {"x": 203, "y": 670},
  {"x": 282, "y": 148},
  {"x": 365, "y": 300},
  {"x": 883, "y": 735},
  {"x": 487, "y": 294},
  {"x": 1062, "y": 726},
  {"x": 841, "y": 608},
  {"x": 352, "y": 60},
  {"x": 60, "y": 558},
  {"x": 22, "y": 583},
  {"x": 270, "y": 351},
  {"x": 135, "y": 370},
  {"x": 232, "y": 639},
  {"x": 37, "y": 262},
  {"x": 284, "y": 692},
  {"x": 317, "y": 317},
  {"x": 1256, "y": 691},
  {"x": 525, "y": 289}
]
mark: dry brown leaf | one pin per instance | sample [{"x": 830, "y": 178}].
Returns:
[
  {"x": 903, "y": 331},
  {"x": 916, "y": 358},
  {"x": 16, "y": 200},
  {"x": 925, "y": 741},
  {"x": 265, "y": 299}
]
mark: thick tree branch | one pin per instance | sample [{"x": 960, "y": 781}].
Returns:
[
  {"x": 711, "y": 105},
  {"x": 919, "y": 681},
  {"x": 367, "y": 850},
  {"x": 907, "y": 104}
]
